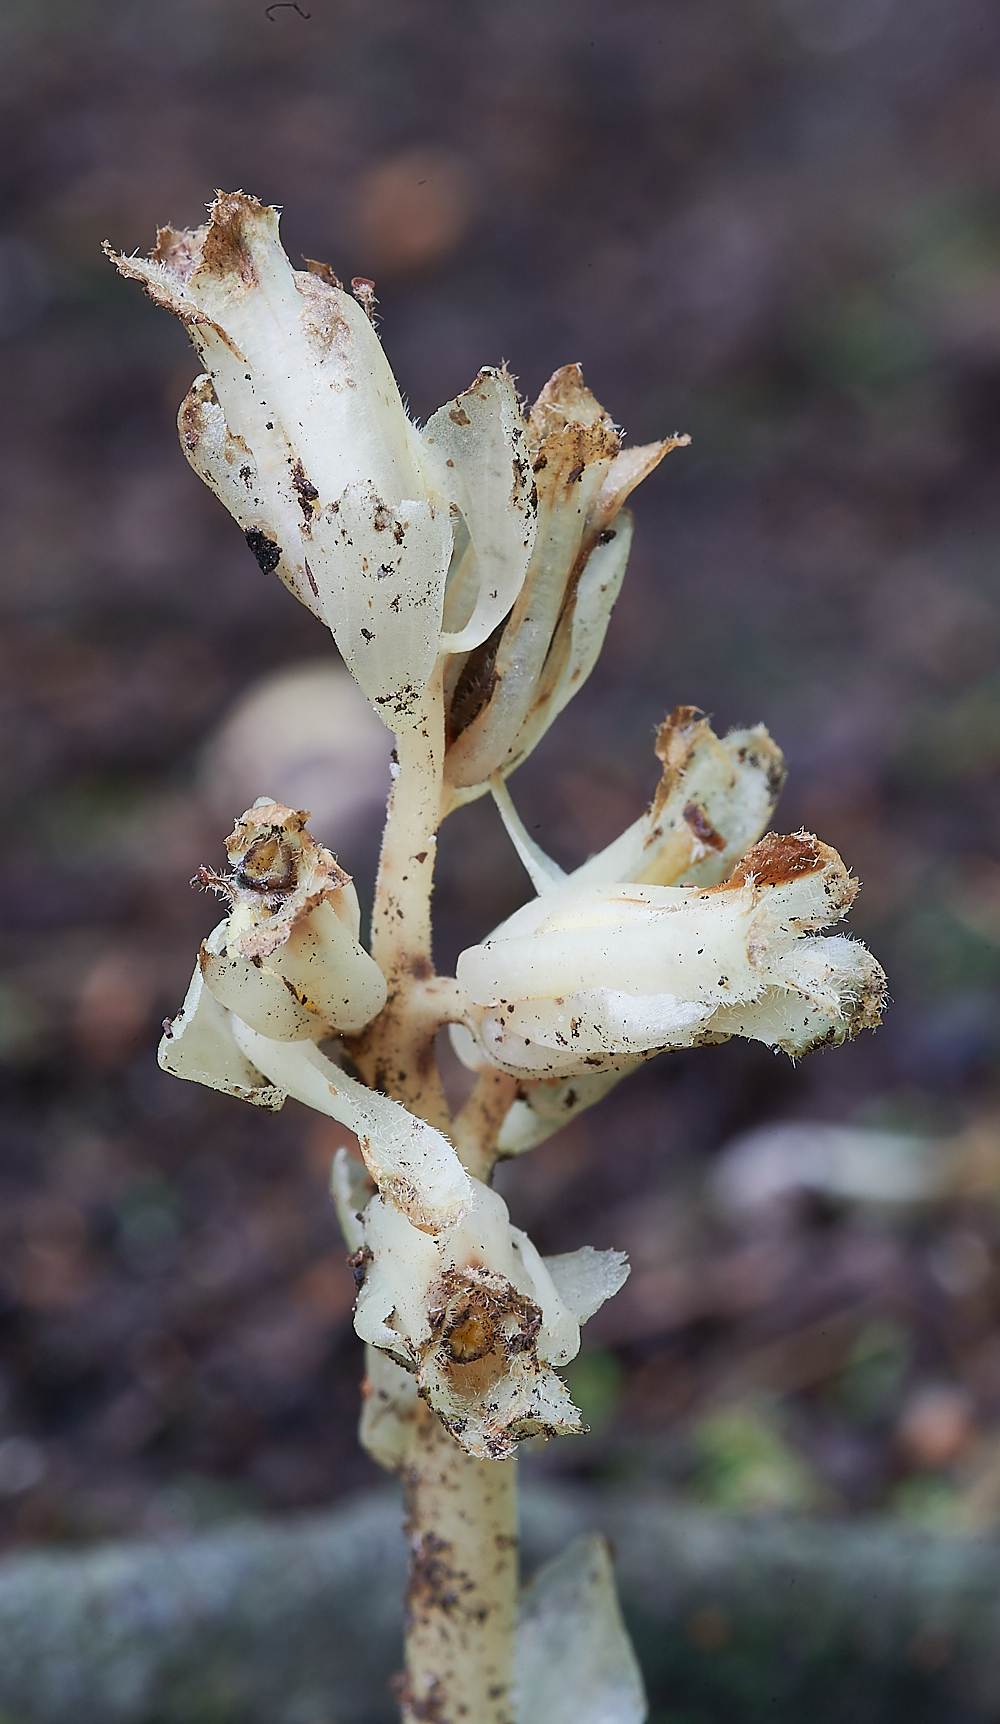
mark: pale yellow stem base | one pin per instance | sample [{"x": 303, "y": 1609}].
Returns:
[{"x": 461, "y": 1597}]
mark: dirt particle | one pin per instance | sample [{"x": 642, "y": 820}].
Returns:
[
  {"x": 267, "y": 551},
  {"x": 363, "y": 289},
  {"x": 306, "y": 493},
  {"x": 358, "y": 1264}
]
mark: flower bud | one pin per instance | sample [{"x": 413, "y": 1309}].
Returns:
[
  {"x": 587, "y": 977},
  {"x": 503, "y": 696},
  {"x": 287, "y": 958}
]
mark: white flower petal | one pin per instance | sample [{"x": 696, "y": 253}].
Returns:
[
  {"x": 588, "y": 977},
  {"x": 586, "y": 1278},
  {"x": 351, "y": 1190},
  {"x": 579, "y": 638},
  {"x": 476, "y": 1314},
  {"x": 380, "y": 568},
  {"x": 255, "y": 992},
  {"x": 199, "y": 1045},
  {"x": 251, "y": 473},
  {"x": 714, "y": 800},
  {"x": 479, "y": 438},
  {"x": 544, "y": 1106}
]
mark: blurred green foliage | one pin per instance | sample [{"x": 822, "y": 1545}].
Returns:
[{"x": 744, "y": 1462}]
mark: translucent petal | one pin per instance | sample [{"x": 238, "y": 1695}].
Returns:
[
  {"x": 199, "y": 1045},
  {"x": 574, "y": 1661},
  {"x": 586, "y": 1278}
]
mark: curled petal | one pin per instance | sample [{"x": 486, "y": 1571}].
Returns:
[
  {"x": 627, "y": 470},
  {"x": 479, "y": 439},
  {"x": 255, "y": 483},
  {"x": 199, "y": 1044}
]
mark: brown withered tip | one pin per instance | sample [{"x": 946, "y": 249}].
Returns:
[
  {"x": 678, "y": 731},
  {"x": 225, "y": 248},
  {"x": 779, "y": 857},
  {"x": 324, "y": 271},
  {"x": 179, "y": 249},
  {"x": 675, "y": 742}
]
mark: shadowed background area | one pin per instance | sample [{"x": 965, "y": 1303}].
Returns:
[{"x": 774, "y": 226}]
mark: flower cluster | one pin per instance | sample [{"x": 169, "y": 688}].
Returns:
[{"x": 467, "y": 571}]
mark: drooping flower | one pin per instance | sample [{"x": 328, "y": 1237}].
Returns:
[
  {"x": 475, "y": 1313},
  {"x": 299, "y": 429},
  {"x": 414, "y": 1167},
  {"x": 587, "y": 977}
]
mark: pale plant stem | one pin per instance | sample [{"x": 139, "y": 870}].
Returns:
[
  {"x": 461, "y": 1513},
  {"x": 461, "y": 1596},
  {"x": 396, "y": 1053},
  {"x": 475, "y": 1128}
]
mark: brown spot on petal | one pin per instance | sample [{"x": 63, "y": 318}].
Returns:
[
  {"x": 778, "y": 858},
  {"x": 702, "y": 827}
]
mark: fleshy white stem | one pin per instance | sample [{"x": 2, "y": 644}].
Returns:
[
  {"x": 401, "y": 921},
  {"x": 476, "y": 1128},
  {"x": 396, "y": 1053},
  {"x": 461, "y": 1513},
  {"x": 461, "y": 1597}
]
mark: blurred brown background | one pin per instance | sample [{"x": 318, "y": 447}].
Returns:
[{"x": 775, "y": 225}]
